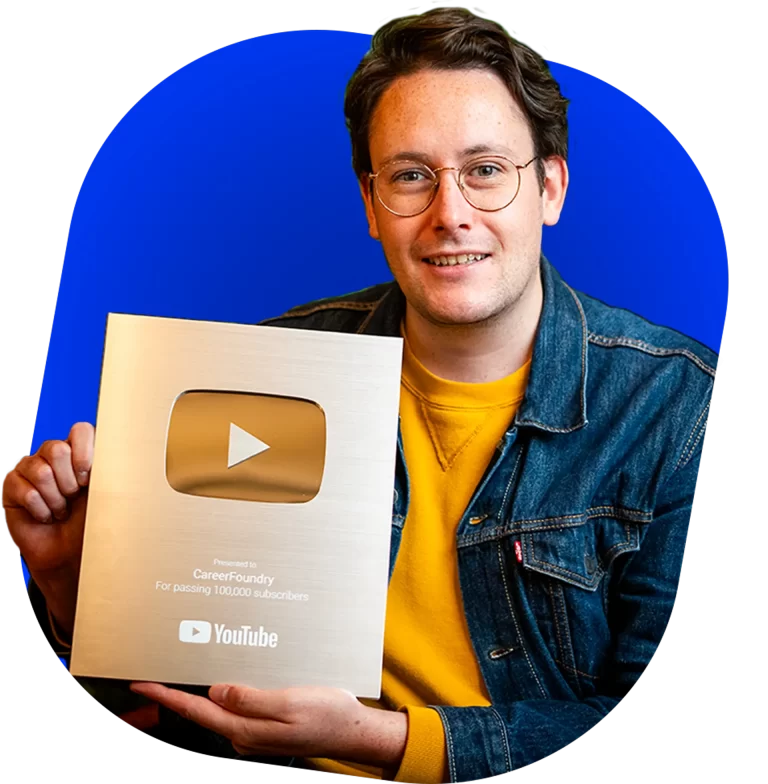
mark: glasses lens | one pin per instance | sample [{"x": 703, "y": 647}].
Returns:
[
  {"x": 405, "y": 187},
  {"x": 490, "y": 183}
]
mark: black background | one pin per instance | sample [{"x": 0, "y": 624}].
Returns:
[{"x": 68, "y": 80}]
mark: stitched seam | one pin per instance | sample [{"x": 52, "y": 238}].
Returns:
[
  {"x": 696, "y": 444},
  {"x": 584, "y": 340},
  {"x": 685, "y": 452},
  {"x": 433, "y": 438},
  {"x": 554, "y": 569},
  {"x": 466, "y": 444},
  {"x": 620, "y": 547},
  {"x": 514, "y": 620},
  {"x": 548, "y": 428},
  {"x": 593, "y": 511},
  {"x": 603, "y": 340},
  {"x": 573, "y": 521},
  {"x": 702, "y": 430},
  {"x": 444, "y": 407},
  {"x": 503, "y": 730},
  {"x": 361, "y": 306},
  {"x": 577, "y": 672},
  {"x": 555, "y": 616},
  {"x": 445, "y": 462},
  {"x": 374, "y": 307},
  {"x": 509, "y": 484},
  {"x": 448, "y": 744},
  {"x": 566, "y": 648}
]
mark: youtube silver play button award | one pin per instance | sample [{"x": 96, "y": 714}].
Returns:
[{"x": 240, "y": 506}]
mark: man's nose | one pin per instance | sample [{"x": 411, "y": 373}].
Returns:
[{"x": 450, "y": 210}]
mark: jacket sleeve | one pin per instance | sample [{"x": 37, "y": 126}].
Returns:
[{"x": 482, "y": 742}]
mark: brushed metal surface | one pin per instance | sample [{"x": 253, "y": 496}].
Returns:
[{"x": 309, "y": 576}]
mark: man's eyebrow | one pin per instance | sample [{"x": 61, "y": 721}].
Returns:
[{"x": 468, "y": 152}]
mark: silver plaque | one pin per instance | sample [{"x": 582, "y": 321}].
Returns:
[{"x": 239, "y": 507}]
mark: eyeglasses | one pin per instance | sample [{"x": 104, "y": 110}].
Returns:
[{"x": 407, "y": 188}]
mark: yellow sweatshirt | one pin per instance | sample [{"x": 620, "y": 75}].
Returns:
[{"x": 450, "y": 430}]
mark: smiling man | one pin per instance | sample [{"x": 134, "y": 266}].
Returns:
[{"x": 548, "y": 453}]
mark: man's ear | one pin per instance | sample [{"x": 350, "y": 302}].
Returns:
[
  {"x": 555, "y": 187},
  {"x": 366, "y": 191}
]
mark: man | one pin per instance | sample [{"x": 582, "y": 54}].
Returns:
[{"x": 548, "y": 453}]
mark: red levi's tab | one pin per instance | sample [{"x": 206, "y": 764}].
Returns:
[{"x": 518, "y": 551}]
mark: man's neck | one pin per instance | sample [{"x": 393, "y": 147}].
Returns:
[{"x": 481, "y": 352}]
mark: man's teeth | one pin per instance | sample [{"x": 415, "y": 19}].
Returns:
[{"x": 449, "y": 261}]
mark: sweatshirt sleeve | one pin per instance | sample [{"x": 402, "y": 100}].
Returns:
[{"x": 425, "y": 757}]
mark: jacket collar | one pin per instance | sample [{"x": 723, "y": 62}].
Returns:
[{"x": 555, "y": 400}]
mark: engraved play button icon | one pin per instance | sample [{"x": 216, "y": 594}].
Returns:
[
  {"x": 195, "y": 631},
  {"x": 243, "y": 445}
]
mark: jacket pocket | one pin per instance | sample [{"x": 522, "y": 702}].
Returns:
[
  {"x": 581, "y": 552},
  {"x": 567, "y": 571}
]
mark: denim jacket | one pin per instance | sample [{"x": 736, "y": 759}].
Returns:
[{"x": 570, "y": 550}]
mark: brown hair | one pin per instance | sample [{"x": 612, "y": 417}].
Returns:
[{"x": 454, "y": 38}]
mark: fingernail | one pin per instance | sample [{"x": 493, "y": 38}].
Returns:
[{"x": 82, "y": 478}]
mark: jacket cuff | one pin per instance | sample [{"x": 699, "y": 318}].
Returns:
[
  {"x": 424, "y": 760},
  {"x": 482, "y": 737}
]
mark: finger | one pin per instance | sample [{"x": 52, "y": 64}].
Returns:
[
  {"x": 58, "y": 455},
  {"x": 81, "y": 438},
  {"x": 39, "y": 474},
  {"x": 198, "y": 709},
  {"x": 259, "y": 736},
  {"x": 19, "y": 494},
  {"x": 272, "y": 704}
]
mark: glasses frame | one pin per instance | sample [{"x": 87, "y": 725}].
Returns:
[{"x": 436, "y": 184}]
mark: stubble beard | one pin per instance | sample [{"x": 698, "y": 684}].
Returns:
[{"x": 504, "y": 309}]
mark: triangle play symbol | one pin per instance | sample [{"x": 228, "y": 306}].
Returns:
[
  {"x": 195, "y": 631},
  {"x": 242, "y": 445}
]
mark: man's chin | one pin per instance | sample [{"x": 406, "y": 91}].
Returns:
[{"x": 456, "y": 314}]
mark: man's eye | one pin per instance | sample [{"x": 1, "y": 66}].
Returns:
[
  {"x": 409, "y": 175},
  {"x": 485, "y": 170}
]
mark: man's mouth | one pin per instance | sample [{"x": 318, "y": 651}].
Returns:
[{"x": 450, "y": 261}]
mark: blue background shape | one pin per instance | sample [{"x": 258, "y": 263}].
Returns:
[{"x": 174, "y": 217}]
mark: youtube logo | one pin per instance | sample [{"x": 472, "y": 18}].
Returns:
[
  {"x": 195, "y": 631},
  {"x": 245, "y": 446}
]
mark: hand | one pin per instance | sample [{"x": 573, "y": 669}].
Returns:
[
  {"x": 306, "y": 722},
  {"x": 45, "y": 499}
]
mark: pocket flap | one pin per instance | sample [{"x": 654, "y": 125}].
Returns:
[{"x": 579, "y": 555}]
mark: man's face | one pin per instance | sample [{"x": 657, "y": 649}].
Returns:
[{"x": 444, "y": 117}]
